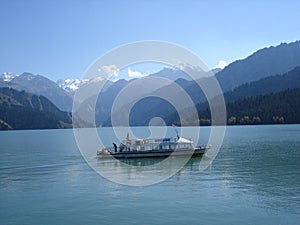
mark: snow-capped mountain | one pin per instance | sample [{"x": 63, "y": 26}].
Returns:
[
  {"x": 38, "y": 85},
  {"x": 180, "y": 72},
  {"x": 71, "y": 85},
  {"x": 7, "y": 76}
]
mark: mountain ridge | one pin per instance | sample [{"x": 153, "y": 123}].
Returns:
[
  {"x": 260, "y": 73},
  {"x": 264, "y": 86},
  {"x": 22, "y": 110},
  {"x": 265, "y": 62},
  {"x": 40, "y": 85}
]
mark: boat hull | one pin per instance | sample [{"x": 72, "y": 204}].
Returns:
[{"x": 153, "y": 154}]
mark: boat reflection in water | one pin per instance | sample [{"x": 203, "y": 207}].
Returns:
[
  {"x": 152, "y": 161},
  {"x": 133, "y": 169}
]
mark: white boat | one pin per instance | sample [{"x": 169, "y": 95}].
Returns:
[{"x": 145, "y": 148}]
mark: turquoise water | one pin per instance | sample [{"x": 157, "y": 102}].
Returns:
[{"x": 255, "y": 179}]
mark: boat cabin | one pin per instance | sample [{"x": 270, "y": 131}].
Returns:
[{"x": 156, "y": 144}]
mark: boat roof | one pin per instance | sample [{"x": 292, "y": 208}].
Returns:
[
  {"x": 158, "y": 140},
  {"x": 184, "y": 140}
]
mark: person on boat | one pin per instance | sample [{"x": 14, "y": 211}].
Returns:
[
  {"x": 115, "y": 147},
  {"x": 122, "y": 147}
]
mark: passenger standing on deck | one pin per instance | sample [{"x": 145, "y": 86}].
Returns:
[{"x": 115, "y": 147}]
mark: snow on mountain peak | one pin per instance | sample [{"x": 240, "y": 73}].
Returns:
[
  {"x": 7, "y": 76},
  {"x": 71, "y": 85},
  {"x": 28, "y": 76},
  {"x": 97, "y": 79},
  {"x": 187, "y": 67}
]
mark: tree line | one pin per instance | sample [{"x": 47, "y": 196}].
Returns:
[{"x": 275, "y": 108}]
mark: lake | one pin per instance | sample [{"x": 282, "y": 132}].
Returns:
[{"x": 255, "y": 179}]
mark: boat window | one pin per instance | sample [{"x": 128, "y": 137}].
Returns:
[
  {"x": 184, "y": 146},
  {"x": 165, "y": 147}
]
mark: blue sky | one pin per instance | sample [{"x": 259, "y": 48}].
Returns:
[{"x": 61, "y": 38}]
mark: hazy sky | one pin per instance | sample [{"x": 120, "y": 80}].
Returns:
[{"x": 61, "y": 38}]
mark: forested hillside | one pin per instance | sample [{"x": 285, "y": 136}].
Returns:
[
  {"x": 22, "y": 110},
  {"x": 279, "y": 108}
]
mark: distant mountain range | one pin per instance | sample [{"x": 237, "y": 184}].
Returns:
[
  {"x": 177, "y": 72},
  {"x": 22, "y": 110},
  {"x": 72, "y": 85},
  {"x": 265, "y": 80},
  {"x": 263, "y": 63},
  {"x": 60, "y": 93},
  {"x": 262, "y": 89},
  {"x": 272, "y": 84},
  {"x": 40, "y": 85},
  {"x": 268, "y": 71}
]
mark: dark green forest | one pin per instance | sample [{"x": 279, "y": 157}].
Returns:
[
  {"x": 22, "y": 110},
  {"x": 275, "y": 108}
]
